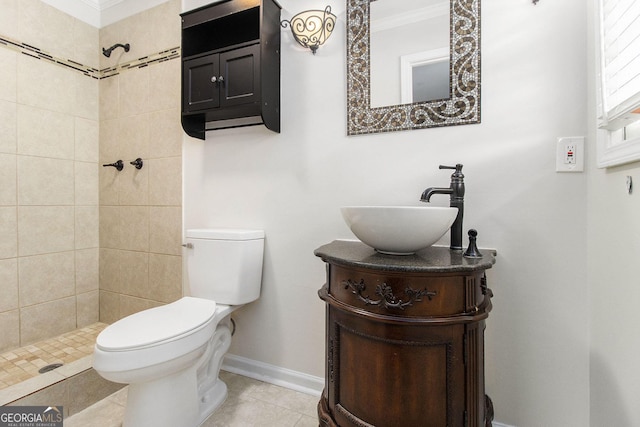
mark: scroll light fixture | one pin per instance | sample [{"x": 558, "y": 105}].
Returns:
[{"x": 311, "y": 28}]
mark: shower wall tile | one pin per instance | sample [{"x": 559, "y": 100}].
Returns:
[
  {"x": 45, "y": 85},
  {"x": 85, "y": 40},
  {"x": 9, "y": 19},
  {"x": 8, "y": 180},
  {"x": 134, "y": 228},
  {"x": 165, "y": 277},
  {"x": 133, "y": 136},
  {"x": 87, "y": 270},
  {"x": 165, "y": 181},
  {"x": 134, "y": 92},
  {"x": 9, "y": 330},
  {"x": 133, "y": 186},
  {"x": 45, "y": 26},
  {"x": 8, "y": 126},
  {"x": 165, "y": 136},
  {"x": 130, "y": 305},
  {"x": 46, "y": 320},
  {"x": 87, "y": 308},
  {"x": 165, "y": 235},
  {"x": 45, "y": 133},
  {"x": 49, "y": 151},
  {"x": 46, "y": 277},
  {"x": 87, "y": 97},
  {"x": 134, "y": 273},
  {"x": 110, "y": 277},
  {"x": 45, "y": 181},
  {"x": 166, "y": 80},
  {"x": 109, "y": 227},
  {"x": 166, "y": 24},
  {"x": 8, "y": 68},
  {"x": 140, "y": 210},
  {"x": 86, "y": 183},
  {"x": 109, "y": 181},
  {"x": 8, "y": 284},
  {"x": 9, "y": 232},
  {"x": 87, "y": 140},
  {"x": 45, "y": 229},
  {"x": 109, "y": 306},
  {"x": 87, "y": 226},
  {"x": 109, "y": 95}
]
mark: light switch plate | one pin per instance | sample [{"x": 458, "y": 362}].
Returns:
[{"x": 570, "y": 154}]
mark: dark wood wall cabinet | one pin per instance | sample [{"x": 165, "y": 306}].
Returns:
[
  {"x": 404, "y": 338},
  {"x": 231, "y": 66}
]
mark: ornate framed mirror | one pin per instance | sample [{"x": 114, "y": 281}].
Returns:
[{"x": 371, "y": 20}]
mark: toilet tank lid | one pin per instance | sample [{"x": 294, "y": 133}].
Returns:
[{"x": 225, "y": 234}]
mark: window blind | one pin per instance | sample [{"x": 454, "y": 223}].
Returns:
[{"x": 620, "y": 62}]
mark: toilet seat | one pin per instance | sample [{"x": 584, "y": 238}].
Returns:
[{"x": 157, "y": 326}]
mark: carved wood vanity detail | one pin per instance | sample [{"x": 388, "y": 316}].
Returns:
[{"x": 404, "y": 338}]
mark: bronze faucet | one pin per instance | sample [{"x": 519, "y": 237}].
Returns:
[{"x": 456, "y": 193}]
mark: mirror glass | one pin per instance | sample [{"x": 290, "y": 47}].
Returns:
[
  {"x": 409, "y": 51},
  {"x": 412, "y": 64}
]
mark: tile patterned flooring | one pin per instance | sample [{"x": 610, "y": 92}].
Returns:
[
  {"x": 23, "y": 363},
  {"x": 251, "y": 403}
]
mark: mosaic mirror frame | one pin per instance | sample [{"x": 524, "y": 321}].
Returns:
[{"x": 463, "y": 106}]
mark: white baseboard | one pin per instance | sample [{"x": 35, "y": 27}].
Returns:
[{"x": 283, "y": 377}]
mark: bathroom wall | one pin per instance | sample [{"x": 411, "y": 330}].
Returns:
[
  {"x": 613, "y": 253},
  {"x": 140, "y": 210},
  {"x": 292, "y": 185},
  {"x": 48, "y": 173}
]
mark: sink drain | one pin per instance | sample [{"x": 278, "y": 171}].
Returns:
[{"x": 49, "y": 367}]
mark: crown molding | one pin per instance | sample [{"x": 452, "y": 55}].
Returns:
[{"x": 100, "y": 13}]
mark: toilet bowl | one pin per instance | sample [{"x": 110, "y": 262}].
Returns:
[{"x": 171, "y": 355}]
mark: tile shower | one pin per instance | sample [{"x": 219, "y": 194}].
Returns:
[{"x": 80, "y": 243}]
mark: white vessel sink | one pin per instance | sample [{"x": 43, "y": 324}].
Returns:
[{"x": 399, "y": 230}]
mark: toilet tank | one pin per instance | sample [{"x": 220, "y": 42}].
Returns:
[{"x": 225, "y": 265}]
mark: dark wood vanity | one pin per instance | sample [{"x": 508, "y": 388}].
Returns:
[{"x": 404, "y": 338}]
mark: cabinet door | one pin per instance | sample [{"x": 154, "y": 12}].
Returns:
[
  {"x": 240, "y": 69},
  {"x": 201, "y": 85}
]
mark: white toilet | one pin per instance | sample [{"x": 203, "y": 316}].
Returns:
[{"x": 171, "y": 355}]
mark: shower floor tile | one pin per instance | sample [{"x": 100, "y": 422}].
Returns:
[{"x": 20, "y": 364}]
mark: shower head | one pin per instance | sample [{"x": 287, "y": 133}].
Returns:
[{"x": 107, "y": 52}]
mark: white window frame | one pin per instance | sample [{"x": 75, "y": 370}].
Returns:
[{"x": 612, "y": 148}]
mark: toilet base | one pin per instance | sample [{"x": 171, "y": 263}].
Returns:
[{"x": 167, "y": 402}]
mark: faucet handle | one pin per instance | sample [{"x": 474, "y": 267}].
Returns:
[
  {"x": 457, "y": 167},
  {"x": 457, "y": 173}
]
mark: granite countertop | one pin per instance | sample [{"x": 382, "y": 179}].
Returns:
[{"x": 435, "y": 259}]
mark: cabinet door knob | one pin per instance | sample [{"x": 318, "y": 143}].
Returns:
[
  {"x": 221, "y": 79},
  {"x": 214, "y": 79}
]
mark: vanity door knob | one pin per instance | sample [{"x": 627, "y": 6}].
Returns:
[
  {"x": 188, "y": 245},
  {"x": 214, "y": 79},
  {"x": 221, "y": 79}
]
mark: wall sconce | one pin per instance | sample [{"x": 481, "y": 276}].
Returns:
[{"x": 311, "y": 28}]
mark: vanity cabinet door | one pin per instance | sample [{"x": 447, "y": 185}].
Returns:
[
  {"x": 201, "y": 89},
  {"x": 240, "y": 70},
  {"x": 391, "y": 375}
]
